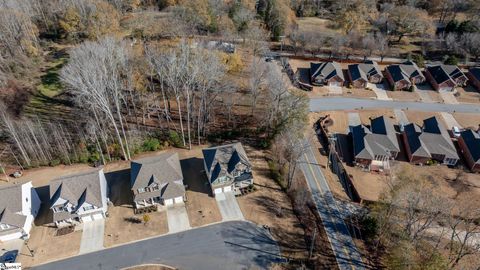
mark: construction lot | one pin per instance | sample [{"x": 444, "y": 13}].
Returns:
[{"x": 371, "y": 185}]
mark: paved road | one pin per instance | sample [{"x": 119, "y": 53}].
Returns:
[
  {"x": 228, "y": 205},
  {"x": 177, "y": 218},
  {"x": 92, "y": 236},
  {"x": 344, "y": 103},
  {"x": 228, "y": 245},
  {"x": 346, "y": 253}
]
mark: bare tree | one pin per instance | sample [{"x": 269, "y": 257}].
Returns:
[{"x": 258, "y": 70}]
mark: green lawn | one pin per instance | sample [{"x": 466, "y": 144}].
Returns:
[{"x": 50, "y": 84}]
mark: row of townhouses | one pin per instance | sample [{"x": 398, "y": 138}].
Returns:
[
  {"x": 399, "y": 76},
  {"x": 154, "y": 182},
  {"x": 375, "y": 145}
]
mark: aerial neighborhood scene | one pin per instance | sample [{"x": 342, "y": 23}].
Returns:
[{"x": 240, "y": 134}]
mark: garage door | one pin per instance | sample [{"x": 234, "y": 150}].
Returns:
[
  {"x": 87, "y": 218},
  {"x": 179, "y": 199},
  {"x": 227, "y": 189},
  {"x": 217, "y": 190},
  {"x": 168, "y": 201},
  {"x": 97, "y": 216}
]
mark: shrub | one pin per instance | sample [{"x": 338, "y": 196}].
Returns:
[
  {"x": 174, "y": 139},
  {"x": 451, "y": 60},
  {"x": 419, "y": 60},
  {"x": 54, "y": 162},
  {"x": 151, "y": 144}
]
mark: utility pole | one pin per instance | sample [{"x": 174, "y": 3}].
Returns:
[{"x": 313, "y": 242}]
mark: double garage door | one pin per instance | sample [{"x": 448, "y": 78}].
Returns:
[
  {"x": 224, "y": 189},
  {"x": 92, "y": 217},
  {"x": 174, "y": 200}
]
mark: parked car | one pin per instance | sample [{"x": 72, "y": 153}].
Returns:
[{"x": 9, "y": 256}]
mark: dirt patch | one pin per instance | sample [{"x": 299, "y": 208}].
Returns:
[
  {"x": 358, "y": 92},
  {"x": 270, "y": 206},
  {"x": 339, "y": 120},
  {"x": 468, "y": 120},
  {"x": 48, "y": 247},
  {"x": 468, "y": 95},
  {"x": 366, "y": 115},
  {"x": 403, "y": 95},
  {"x": 435, "y": 96},
  {"x": 417, "y": 117},
  {"x": 119, "y": 230}
]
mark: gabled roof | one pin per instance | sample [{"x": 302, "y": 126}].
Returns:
[
  {"x": 159, "y": 169},
  {"x": 11, "y": 205},
  {"x": 404, "y": 71},
  {"x": 364, "y": 70},
  {"x": 475, "y": 72},
  {"x": 162, "y": 171},
  {"x": 442, "y": 73},
  {"x": 326, "y": 70},
  {"x": 432, "y": 139},
  {"x": 222, "y": 160},
  {"x": 380, "y": 140},
  {"x": 78, "y": 188},
  {"x": 472, "y": 141}
]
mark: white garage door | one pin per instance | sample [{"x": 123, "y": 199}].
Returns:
[
  {"x": 227, "y": 189},
  {"x": 97, "y": 216},
  {"x": 179, "y": 199},
  {"x": 168, "y": 201},
  {"x": 87, "y": 218},
  {"x": 217, "y": 190}
]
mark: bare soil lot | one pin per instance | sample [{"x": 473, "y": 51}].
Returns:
[
  {"x": 418, "y": 116},
  {"x": 365, "y": 115},
  {"x": 270, "y": 206},
  {"x": 468, "y": 95},
  {"x": 358, "y": 92},
  {"x": 403, "y": 95},
  {"x": 468, "y": 120},
  {"x": 47, "y": 246}
]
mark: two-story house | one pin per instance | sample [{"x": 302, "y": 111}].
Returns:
[
  {"x": 79, "y": 198},
  {"x": 19, "y": 205},
  {"x": 157, "y": 180},
  {"x": 227, "y": 168}
]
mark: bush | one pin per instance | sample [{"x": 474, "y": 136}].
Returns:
[
  {"x": 54, "y": 162},
  {"x": 174, "y": 139},
  {"x": 151, "y": 144},
  {"x": 411, "y": 88},
  {"x": 451, "y": 60},
  {"x": 419, "y": 60}
]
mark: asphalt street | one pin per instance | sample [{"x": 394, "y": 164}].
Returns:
[
  {"x": 345, "y": 103},
  {"x": 227, "y": 245},
  {"x": 346, "y": 253}
]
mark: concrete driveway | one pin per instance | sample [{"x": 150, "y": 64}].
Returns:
[
  {"x": 448, "y": 97},
  {"x": 92, "y": 236},
  {"x": 450, "y": 120},
  {"x": 228, "y": 205},
  {"x": 380, "y": 91},
  {"x": 177, "y": 218}
]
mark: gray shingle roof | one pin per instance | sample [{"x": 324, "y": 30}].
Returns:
[
  {"x": 404, "y": 71},
  {"x": 433, "y": 139},
  {"x": 472, "y": 141},
  {"x": 10, "y": 204},
  {"x": 364, "y": 70},
  {"x": 442, "y": 73},
  {"x": 163, "y": 170},
  {"x": 221, "y": 160},
  {"x": 78, "y": 188},
  {"x": 380, "y": 140},
  {"x": 326, "y": 70}
]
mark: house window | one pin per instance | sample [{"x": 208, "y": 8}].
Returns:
[
  {"x": 4, "y": 226},
  {"x": 141, "y": 190}
]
